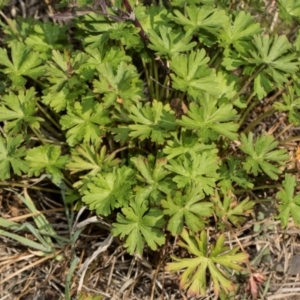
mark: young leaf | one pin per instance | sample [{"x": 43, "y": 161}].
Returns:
[
  {"x": 99, "y": 30},
  {"x": 69, "y": 71},
  {"x": 289, "y": 10},
  {"x": 140, "y": 224},
  {"x": 290, "y": 105},
  {"x": 170, "y": 42},
  {"x": 186, "y": 143},
  {"x": 89, "y": 158},
  {"x": 10, "y": 156},
  {"x": 211, "y": 121},
  {"x": 58, "y": 101},
  {"x": 122, "y": 84},
  {"x": 127, "y": 35},
  {"x": 109, "y": 190},
  {"x": 192, "y": 74},
  {"x": 18, "y": 29},
  {"x": 228, "y": 210},
  {"x": 228, "y": 87},
  {"x": 204, "y": 17},
  {"x": 105, "y": 53},
  {"x": 46, "y": 159},
  {"x": 46, "y": 37},
  {"x": 212, "y": 260},
  {"x": 19, "y": 110},
  {"x": 195, "y": 170},
  {"x": 236, "y": 34},
  {"x": 24, "y": 62},
  {"x": 154, "y": 122},
  {"x": 290, "y": 205},
  {"x": 261, "y": 155},
  {"x": 183, "y": 3},
  {"x": 67, "y": 74},
  {"x": 201, "y": 20},
  {"x": 272, "y": 54},
  {"x": 153, "y": 177},
  {"x": 121, "y": 134},
  {"x": 85, "y": 122},
  {"x": 231, "y": 172},
  {"x": 186, "y": 209}
]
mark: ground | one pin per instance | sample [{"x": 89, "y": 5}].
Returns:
[{"x": 113, "y": 274}]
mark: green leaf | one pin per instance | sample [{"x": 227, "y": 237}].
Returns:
[
  {"x": 105, "y": 53},
  {"x": 67, "y": 74},
  {"x": 183, "y": 3},
  {"x": 186, "y": 209},
  {"x": 227, "y": 84},
  {"x": 3, "y": 3},
  {"x": 290, "y": 105},
  {"x": 211, "y": 121},
  {"x": 58, "y": 101},
  {"x": 46, "y": 159},
  {"x": 153, "y": 178},
  {"x": 289, "y": 10},
  {"x": 18, "y": 29},
  {"x": 192, "y": 74},
  {"x": 231, "y": 172},
  {"x": 261, "y": 157},
  {"x": 154, "y": 122},
  {"x": 186, "y": 143},
  {"x": 230, "y": 211},
  {"x": 213, "y": 259},
  {"x": 109, "y": 190},
  {"x": 128, "y": 36},
  {"x": 201, "y": 20},
  {"x": 99, "y": 30},
  {"x": 85, "y": 121},
  {"x": 47, "y": 36},
  {"x": 170, "y": 42},
  {"x": 271, "y": 54},
  {"x": 87, "y": 157},
  {"x": 90, "y": 160},
  {"x": 290, "y": 205},
  {"x": 24, "y": 62},
  {"x": 196, "y": 170},
  {"x": 237, "y": 32},
  {"x": 20, "y": 110},
  {"x": 121, "y": 85},
  {"x": 10, "y": 157},
  {"x": 204, "y": 17},
  {"x": 140, "y": 224},
  {"x": 121, "y": 134}
]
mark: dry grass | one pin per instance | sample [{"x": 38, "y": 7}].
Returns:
[{"x": 24, "y": 274}]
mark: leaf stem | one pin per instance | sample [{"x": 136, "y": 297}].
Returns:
[
  {"x": 247, "y": 83},
  {"x": 48, "y": 116},
  {"x": 262, "y": 187},
  {"x": 11, "y": 25},
  {"x": 33, "y": 187},
  {"x": 258, "y": 120},
  {"x": 284, "y": 130},
  {"x": 146, "y": 73},
  {"x": 291, "y": 139},
  {"x": 214, "y": 57},
  {"x": 38, "y": 135},
  {"x": 156, "y": 78},
  {"x": 248, "y": 109}
]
